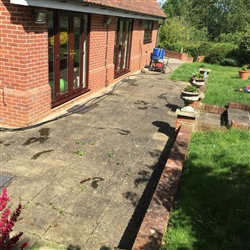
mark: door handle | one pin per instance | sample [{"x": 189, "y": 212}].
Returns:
[{"x": 71, "y": 54}]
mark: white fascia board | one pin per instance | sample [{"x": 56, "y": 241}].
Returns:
[
  {"x": 19, "y": 2},
  {"x": 78, "y": 7}
]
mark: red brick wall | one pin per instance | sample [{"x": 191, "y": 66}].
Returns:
[
  {"x": 24, "y": 67},
  {"x": 178, "y": 55},
  {"x": 101, "y": 51},
  {"x": 24, "y": 62},
  {"x": 140, "y": 52}
]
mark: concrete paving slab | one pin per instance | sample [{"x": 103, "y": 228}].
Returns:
[
  {"x": 36, "y": 219},
  {"x": 242, "y": 116}
]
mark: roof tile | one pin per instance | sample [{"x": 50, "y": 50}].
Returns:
[{"x": 149, "y": 7}]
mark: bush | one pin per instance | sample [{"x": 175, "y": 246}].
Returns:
[
  {"x": 244, "y": 46},
  {"x": 230, "y": 38},
  {"x": 172, "y": 47},
  {"x": 219, "y": 52},
  {"x": 236, "y": 60},
  {"x": 205, "y": 48},
  {"x": 6, "y": 224},
  {"x": 192, "y": 51},
  {"x": 229, "y": 62}
]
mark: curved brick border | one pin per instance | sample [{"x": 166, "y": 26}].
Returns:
[{"x": 156, "y": 218}]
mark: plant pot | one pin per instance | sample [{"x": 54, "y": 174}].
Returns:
[
  {"x": 243, "y": 74},
  {"x": 197, "y": 82},
  {"x": 189, "y": 98}
]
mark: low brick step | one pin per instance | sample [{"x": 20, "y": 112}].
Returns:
[
  {"x": 209, "y": 121},
  {"x": 238, "y": 118}
]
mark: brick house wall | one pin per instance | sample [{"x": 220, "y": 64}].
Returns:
[
  {"x": 100, "y": 37},
  {"x": 25, "y": 93},
  {"x": 25, "y": 96},
  {"x": 140, "y": 52}
]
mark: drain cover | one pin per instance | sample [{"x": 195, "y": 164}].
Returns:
[{"x": 4, "y": 179}]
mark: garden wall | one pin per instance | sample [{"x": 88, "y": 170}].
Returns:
[{"x": 178, "y": 55}]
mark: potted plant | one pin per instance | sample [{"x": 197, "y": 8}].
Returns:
[
  {"x": 198, "y": 79},
  {"x": 191, "y": 90},
  {"x": 244, "y": 72},
  {"x": 189, "y": 94}
]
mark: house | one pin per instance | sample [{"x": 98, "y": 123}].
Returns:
[{"x": 54, "y": 53}]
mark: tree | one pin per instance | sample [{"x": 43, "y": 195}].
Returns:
[
  {"x": 174, "y": 30},
  {"x": 216, "y": 16},
  {"x": 244, "y": 45}
]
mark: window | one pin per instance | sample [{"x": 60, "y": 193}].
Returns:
[{"x": 148, "y": 31}]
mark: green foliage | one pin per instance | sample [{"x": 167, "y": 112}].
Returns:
[
  {"x": 79, "y": 142},
  {"x": 223, "y": 21},
  {"x": 79, "y": 152},
  {"x": 219, "y": 52},
  {"x": 244, "y": 46},
  {"x": 192, "y": 50},
  {"x": 244, "y": 67},
  {"x": 198, "y": 75},
  {"x": 199, "y": 35},
  {"x": 174, "y": 30},
  {"x": 204, "y": 48},
  {"x": 235, "y": 60},
  {"x": 190, "y": 88},
  {"x": 230, "y": 62},
  {"x": 111, "y": 154},
  {"x": 58, "y": 209},
  {"x": 229, "y": 38},
  {"x": 172, "y": 47}
]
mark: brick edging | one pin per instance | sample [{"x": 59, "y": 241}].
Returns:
[
  {"x": 156, "y": 218},
  {"x": 238, "y": 105},
  {"x": 240, "y": 125},
  {"x": 213, "y": 109}
]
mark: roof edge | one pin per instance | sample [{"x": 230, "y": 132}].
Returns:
[{"x": 90, "y": 8}]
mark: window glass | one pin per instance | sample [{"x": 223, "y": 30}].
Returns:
[{"x": 148, "y": 27}]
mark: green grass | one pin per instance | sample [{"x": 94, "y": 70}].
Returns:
[
  {"x": 212, "y": 208},
  {"x": 222, "y": 82}
]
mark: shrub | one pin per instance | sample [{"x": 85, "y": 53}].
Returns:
[
  {"x": 6, "y": 224},
  {"x": 230, "y": 37},
  {"x": 172, "y": 47},
  {"x": 205, "y": 48},
  {"x": 237, "y": 61},
  {"x": 192, "y": 51},
  {"x": 219, "y": 52},
  {"x": 190, "y": 88},
  {"x": 244, "y": 46},
  {"x": 230, "y": 62}
]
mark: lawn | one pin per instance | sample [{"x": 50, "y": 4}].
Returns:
[
  {"x": 212, "y": 207},
  {"x": 222, "y": 82}
]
